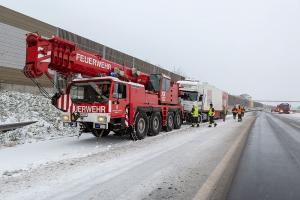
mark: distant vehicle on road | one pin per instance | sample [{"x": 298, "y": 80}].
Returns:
[{"x": 283, "y": 108}]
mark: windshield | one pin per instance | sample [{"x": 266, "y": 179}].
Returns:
[
  {"x": 90, "y": 92},
  {"x": 189, "y": 96},
  {"x": 154, "y": 83}
]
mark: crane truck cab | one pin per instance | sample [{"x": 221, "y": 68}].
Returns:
[
  {"x": 103, "y": 104},
  {"x": 99, "y": 105}
]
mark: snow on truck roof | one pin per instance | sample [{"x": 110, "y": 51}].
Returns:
[
  {"x": 194, "y": 83},
  {"x": 189, "y": 82},
  {"x": 165, "y": 76}
]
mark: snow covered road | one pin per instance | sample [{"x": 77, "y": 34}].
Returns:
[
  {"x": 169, "y": 166},
  {"x": 293, "y": 116}
]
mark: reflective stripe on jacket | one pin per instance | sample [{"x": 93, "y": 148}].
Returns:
[
  {"x": 211, "y": 112},
  {"x": 195, "y": 111}
]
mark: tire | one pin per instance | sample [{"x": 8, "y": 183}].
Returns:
[
  {"x": 154, "y": 124},
  {"x": 106, "y": 132},
  {"x": 189, "y": 119},
  {"x": 141, "y": 126},
  {"x": 97, "y": 132},
  {"x": 177, "y": 120},
  {"x": 170, "y": 122}
]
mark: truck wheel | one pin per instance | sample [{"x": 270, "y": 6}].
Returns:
[
  {"x": 177, "y": 121},
  {"x": 106, "y": 132},
  {"x": 97, "y": 132},
  {"x": 141, "y": 126},
  {"x": 170, "y": 122},
  {"x": 189, "y": 118},
  {"x": 155, "y": 124}
]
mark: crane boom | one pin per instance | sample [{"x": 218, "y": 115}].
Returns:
[{"x": 65, "y": 58}]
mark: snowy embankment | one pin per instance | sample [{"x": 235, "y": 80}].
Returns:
[{"x": 22, "y": 107}]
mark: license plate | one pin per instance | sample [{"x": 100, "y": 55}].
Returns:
[
  {"x": 99, "y": 126},
  {"x": 83, "y": 114},
  {"x": 70, "y": 124},
  {"x": 103, "y": 126}
]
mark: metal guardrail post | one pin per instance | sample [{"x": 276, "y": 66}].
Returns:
[{"x": 12, "y": 126}]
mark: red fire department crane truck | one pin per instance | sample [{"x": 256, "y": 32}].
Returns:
[{"x": 110, "y": 97}]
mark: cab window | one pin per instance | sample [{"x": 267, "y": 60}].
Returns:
[
  {"x": 166, "y": 84},
  {"x": 119, "y": 91},
  {"x": 154, "y": 83}
]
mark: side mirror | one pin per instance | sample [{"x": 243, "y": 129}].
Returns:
[{"x": 201, "y": 97}]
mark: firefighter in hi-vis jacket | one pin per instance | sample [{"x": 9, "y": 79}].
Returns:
[
  {"x": 211, "y": 115},
  {"x": 195, "y": 114}
]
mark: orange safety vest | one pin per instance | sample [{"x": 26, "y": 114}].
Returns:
[{"x": 239, "y": 111}]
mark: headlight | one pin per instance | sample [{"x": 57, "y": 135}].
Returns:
[
  {"x": 66, "y": 118},
  {"x": 102, "y": 119}
]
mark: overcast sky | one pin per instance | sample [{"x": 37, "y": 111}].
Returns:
[{"x": 240, "y": 46}]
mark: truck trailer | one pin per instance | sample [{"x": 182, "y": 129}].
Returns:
[
  {"x": 204, "y": 94},
  {"x": 217, "y": 97}
]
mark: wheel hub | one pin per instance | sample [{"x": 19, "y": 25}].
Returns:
[
  {"x": 141, "y": 125},
  {"x": 155, "y": 123},
  {"x": 170, "y": 121},
  {"x": 178, "y": 119}
]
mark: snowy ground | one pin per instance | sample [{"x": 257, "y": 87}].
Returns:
[
  {"x": 31, "y": 155},
  {"x": 22, "y": 107},
  {"x": 46, "y": 161},
  {"x": 165, "y": 166}
]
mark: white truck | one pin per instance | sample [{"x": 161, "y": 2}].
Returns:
[
  {"x": 190, "y": 92},
  {"x": 204, "y": 94}
]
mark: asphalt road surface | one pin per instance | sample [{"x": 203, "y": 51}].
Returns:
[{"x": 270, "y": 165}]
